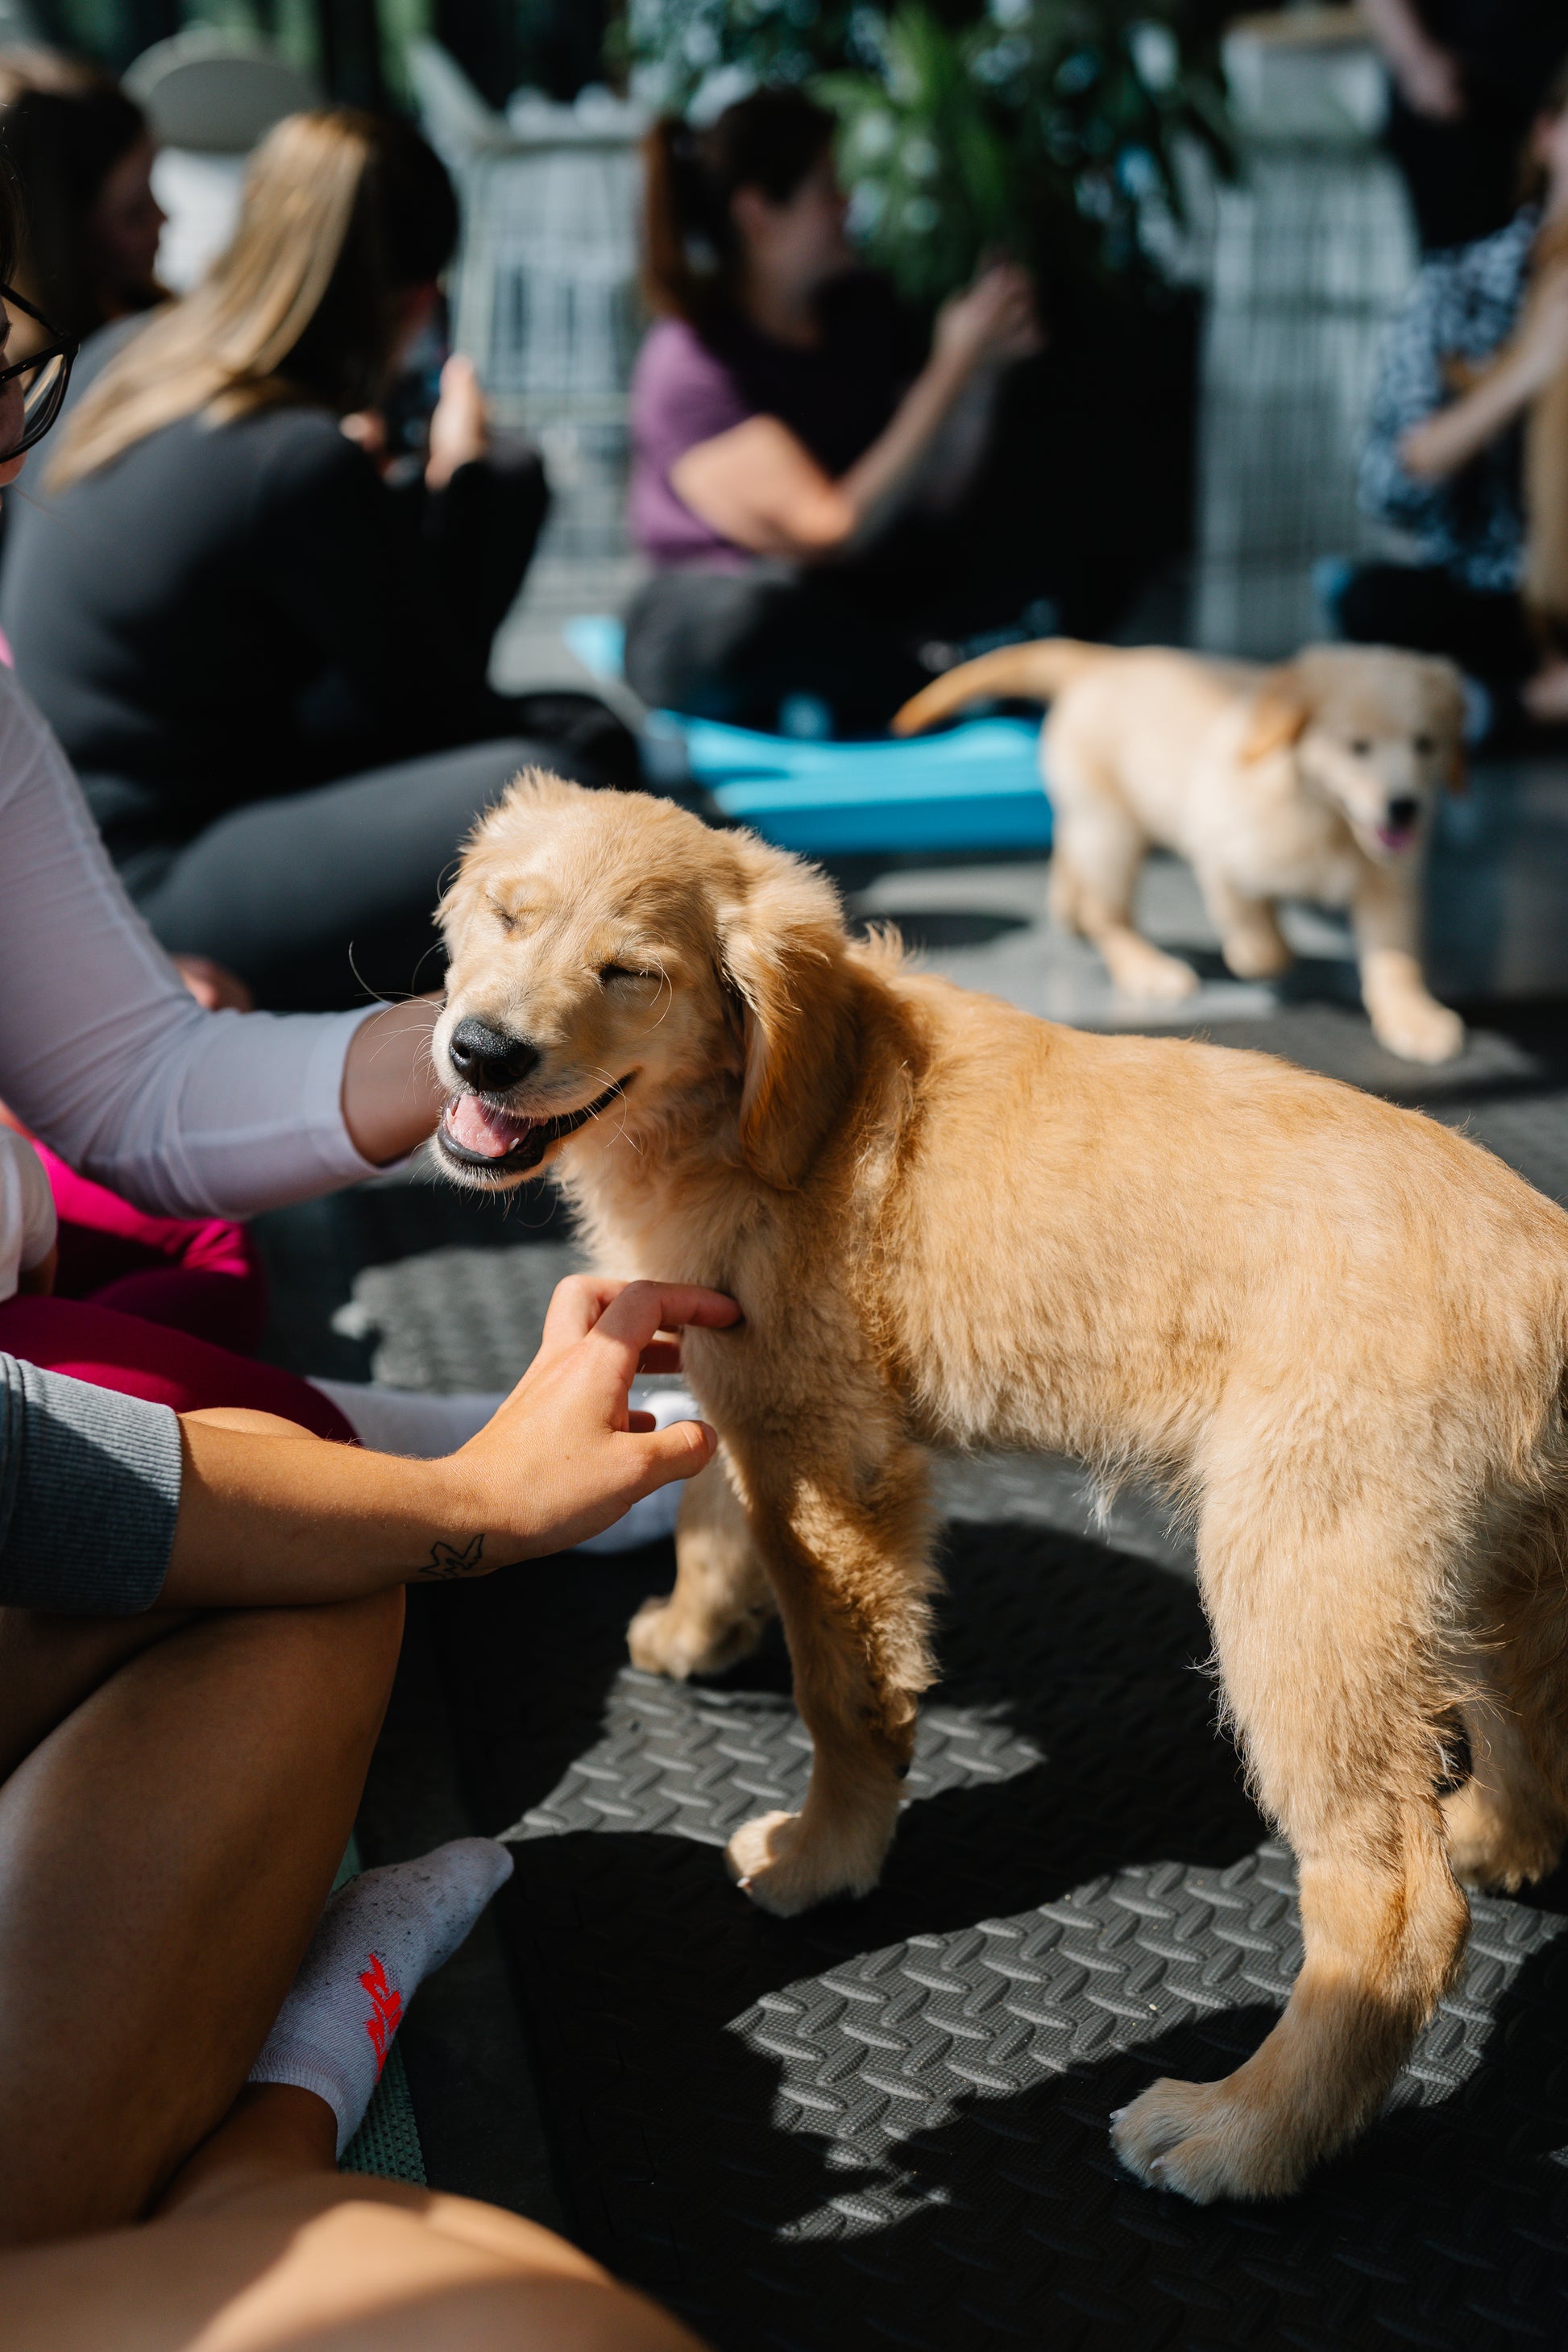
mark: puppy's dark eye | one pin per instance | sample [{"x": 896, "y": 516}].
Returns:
[
  {"x": 608, "y": 971},
  {"x": 1425, "y": 745},
  {"x": 1362, "y": 748}
]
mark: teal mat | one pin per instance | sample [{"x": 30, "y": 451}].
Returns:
[{"x": 387, "y": 2142}]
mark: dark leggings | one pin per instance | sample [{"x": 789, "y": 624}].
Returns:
[
  {"x": 736, "y": 645},
  {"x": 1424, "y": 608},
  {"x": 325, "y": 897}
]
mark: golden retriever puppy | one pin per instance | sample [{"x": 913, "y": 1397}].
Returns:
[
  {"x": 1313, "y": 780},
  {"x": 1336, "y": 1330}
]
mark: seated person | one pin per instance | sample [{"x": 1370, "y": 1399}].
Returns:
[
  {"x": 1467, "y": 80},
  {"x": 81, "y": 151},
  {"x": 268, "y": 662},
  {"x": 1479, "y": 363},
  {"x": 199, "y": 1620},
  {"x": 791, "y": 456}
]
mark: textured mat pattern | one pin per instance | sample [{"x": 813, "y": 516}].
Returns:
[{"x": 886, "y": 2122}]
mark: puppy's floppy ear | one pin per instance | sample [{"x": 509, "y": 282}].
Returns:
[
  {"x": 1280, "y": 713},
  {"x": 780, "y": 956}
]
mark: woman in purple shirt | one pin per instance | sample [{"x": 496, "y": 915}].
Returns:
[{"x": 798, "y": 474}]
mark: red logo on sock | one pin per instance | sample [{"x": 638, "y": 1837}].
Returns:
[{"x": 385, "y": 2010}]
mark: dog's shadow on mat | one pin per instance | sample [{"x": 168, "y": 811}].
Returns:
[{"x": 887, "y": 2121}]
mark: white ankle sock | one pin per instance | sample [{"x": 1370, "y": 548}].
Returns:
[
  {"x": 379, "y": 1937},
  {"x": 415, "y": 1422}
]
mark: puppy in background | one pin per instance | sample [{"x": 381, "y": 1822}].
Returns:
[{"x": 1312, "y": 780}]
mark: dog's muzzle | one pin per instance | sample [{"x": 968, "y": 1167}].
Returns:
[{"x": 482, "y": 1138}]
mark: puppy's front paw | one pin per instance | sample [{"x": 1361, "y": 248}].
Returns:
[
  {"x": 1419, "y": 1030},
  {"x": 787, "y": 1864},
  {"x": 1204, "y": 2141},
  {"x": 663, "y": 1638},
  {"x": 1149, "y": 976}
]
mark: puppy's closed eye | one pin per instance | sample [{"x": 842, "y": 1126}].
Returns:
[
  {"x": 612, "y": 971},
  {"x": 1423, "y": 746}
]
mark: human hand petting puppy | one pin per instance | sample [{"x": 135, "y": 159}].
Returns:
[{"x": 270, "y": 1515}]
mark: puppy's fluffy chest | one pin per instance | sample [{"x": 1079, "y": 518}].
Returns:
[{"x": 1268, "y": 833}]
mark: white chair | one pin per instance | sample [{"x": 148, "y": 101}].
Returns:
[{"x": 208, "y": 96}]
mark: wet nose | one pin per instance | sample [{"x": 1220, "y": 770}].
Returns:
[
  {"x": 488, "y": 1059},
  {"x": 1404, "y": 810}
]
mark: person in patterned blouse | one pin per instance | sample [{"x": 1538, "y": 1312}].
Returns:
[{"x": 1483, "y": 336}]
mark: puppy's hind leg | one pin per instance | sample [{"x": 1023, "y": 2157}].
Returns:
[
  {"x": 1337, "y": 1705},
  {"x": 1507, "y": 1825},
  {"x": 1104, "y": 847},
  {"x": 1250, "y": 938},
  {"x": 721, "y": 1599}
]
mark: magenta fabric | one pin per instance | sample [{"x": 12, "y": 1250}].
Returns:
[
  {"x": 200, "y": 1274},
  {"x": 157, "y": 1307},
  {"x": 836, "y": 396},
  {"x": 680, "y": 394},
  {"x": 128, "y": 1353}
]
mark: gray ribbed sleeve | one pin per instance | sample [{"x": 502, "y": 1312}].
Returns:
[{"x": 89, "y": 1489}]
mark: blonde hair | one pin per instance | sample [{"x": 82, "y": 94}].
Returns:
[{"x": 341, "y": 211}]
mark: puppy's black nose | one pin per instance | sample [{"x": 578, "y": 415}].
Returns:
[
  {"x": 1403, "y": 811},
  {"x": 488, "y": 1058}
]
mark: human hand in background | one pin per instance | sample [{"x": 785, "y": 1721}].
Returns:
[
  {"x": 565, "y": 1455},
  {"x": 993, "y": 321},
  {"x": 1430, "y": 80},
  {"x": 459, "y": 425},
  {"x": 214, "y": 986}
]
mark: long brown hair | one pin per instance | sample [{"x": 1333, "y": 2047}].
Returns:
[
  {"x": 772, "y": 141},
  {"x": 342, "y": 212}
]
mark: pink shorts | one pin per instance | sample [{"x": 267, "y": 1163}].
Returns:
[{"x": 160, "y": 1307}]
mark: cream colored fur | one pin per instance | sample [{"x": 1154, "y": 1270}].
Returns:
[
  {"x": 1333, "y": 1328},
  {"x": 1273, "y": 783}
]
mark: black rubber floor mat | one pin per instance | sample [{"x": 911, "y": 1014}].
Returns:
[{"x": 885, "y": 2124}]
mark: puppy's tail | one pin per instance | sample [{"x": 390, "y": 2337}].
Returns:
[{"x": 1036, "y": 673}]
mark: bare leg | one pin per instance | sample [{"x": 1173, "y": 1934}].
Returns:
[
  {"x": 1337, "y": 1708},
  {"x": 261, "y": 2242},
  {"x": 1249, "y": 934},
  {"x": 164, "y": 1854},
  {"x": 721, "y": 1601},
  {"x": 848, "y": 1553},
  {"x": 1405, "y": 1014}
]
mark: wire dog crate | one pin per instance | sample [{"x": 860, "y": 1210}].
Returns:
[
  {"x": 546, "y": 301},
  {"x": 1312, "y": 253}
]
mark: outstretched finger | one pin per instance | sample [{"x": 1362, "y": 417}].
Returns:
[
  {"x": 631, "y": 1321},
  {"x": 576, "y": 1306}
]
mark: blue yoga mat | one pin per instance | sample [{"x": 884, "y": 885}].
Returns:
[{"x": 975, "y": 787}]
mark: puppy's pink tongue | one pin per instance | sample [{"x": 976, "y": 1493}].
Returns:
[{"x": 476, "y": 1128}]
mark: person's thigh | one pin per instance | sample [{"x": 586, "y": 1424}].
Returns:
[
  {"x": 165, "y": 1855},
  {"x": 125, "y": 1352},
  {"x": 735, "y": 647},
  {"x": 329, "y": 2265},
  {"x": 325, "y": 897}
]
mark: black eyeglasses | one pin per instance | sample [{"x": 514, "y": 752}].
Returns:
[{"x": 43, "y": 376}]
